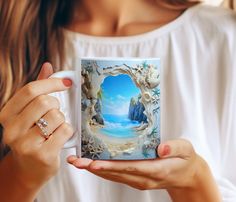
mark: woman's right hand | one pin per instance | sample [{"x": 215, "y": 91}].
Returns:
[{"x": 35, "y": 158}]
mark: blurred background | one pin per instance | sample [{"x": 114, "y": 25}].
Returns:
[{"x": 226, "y": 3}]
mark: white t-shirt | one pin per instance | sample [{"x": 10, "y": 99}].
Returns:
[
  {"x": 197, "y": 52},
  {"x": 213, "y": 2}
]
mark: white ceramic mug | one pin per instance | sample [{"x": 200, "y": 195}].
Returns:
[{"x": 115, "y": 111}]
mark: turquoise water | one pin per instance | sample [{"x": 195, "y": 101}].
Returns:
[{"x": 119, "y": 126}]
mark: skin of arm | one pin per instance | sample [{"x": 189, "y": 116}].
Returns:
[
  {"x": 204, "y": 187},
  {"x": 12, "y": 188}
]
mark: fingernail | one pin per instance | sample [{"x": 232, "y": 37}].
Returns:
[
  {"x": 71, "y": 159},
  {"x": 77, "y": 164},
  {"x": 67, "y": 82},
  {"x": 166, "y": 150},
  {"x": 96, "y": 168}
]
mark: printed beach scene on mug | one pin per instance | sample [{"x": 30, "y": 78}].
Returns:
[{"x": 120, "y": 105}]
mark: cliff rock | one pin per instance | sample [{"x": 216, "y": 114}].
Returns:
[{"x": 136, "y": 110}]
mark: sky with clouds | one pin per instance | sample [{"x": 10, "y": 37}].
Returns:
[{"x": 116, "y": 94}]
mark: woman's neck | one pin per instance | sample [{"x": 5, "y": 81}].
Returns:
[{"x": 121, "y": 17}]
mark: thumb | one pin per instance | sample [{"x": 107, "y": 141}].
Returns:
[
  {"x": 45, "y": 71},
  {"x": 176, "y": 148}
]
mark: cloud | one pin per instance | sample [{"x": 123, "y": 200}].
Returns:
[
  {"x": 121, "y": 97},
  {"x": 118, "y": 108},
  {"x": 122, "y": 109}
]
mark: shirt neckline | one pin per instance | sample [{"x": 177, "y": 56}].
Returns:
[{"x": 185, "y": 16}]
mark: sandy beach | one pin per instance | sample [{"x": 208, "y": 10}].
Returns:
[{"x": 116, "y": 145}]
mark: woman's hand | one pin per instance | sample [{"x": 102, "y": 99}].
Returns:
[
  {"x": 179, "y": 170},
  {"x": 35, "y": 159}
]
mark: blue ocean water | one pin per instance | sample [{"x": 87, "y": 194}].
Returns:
[{"x": 119, "y": 126}]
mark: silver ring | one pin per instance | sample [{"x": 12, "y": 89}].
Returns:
[{"x": 42, "y": 124}]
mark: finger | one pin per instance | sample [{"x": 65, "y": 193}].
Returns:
[
  {"x": 35, "y": 110},
  {"x": 139, "y": 166},
  {"x": 176, "y": 148},
  {"x": 71, "y": 158},
  {"x": 81, "y": 163},
  {"x": 59, "y": 137},
  {"x": 45, "y": 71},
  {"x": 148, "y": 168},
  {"x": 30, "y": 91},
  {"x": 135, "y": 181},
  {"x": 54, "y": 118}
]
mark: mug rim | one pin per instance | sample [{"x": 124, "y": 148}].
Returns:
[{"x": 119, "y": 58}]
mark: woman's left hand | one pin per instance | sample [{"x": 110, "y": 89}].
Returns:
[
  {"x": 177, "y": 166},
  {"x": 179, "y": 170}
]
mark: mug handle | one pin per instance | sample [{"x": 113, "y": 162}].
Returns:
[{"x": 74, "y": 91}]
